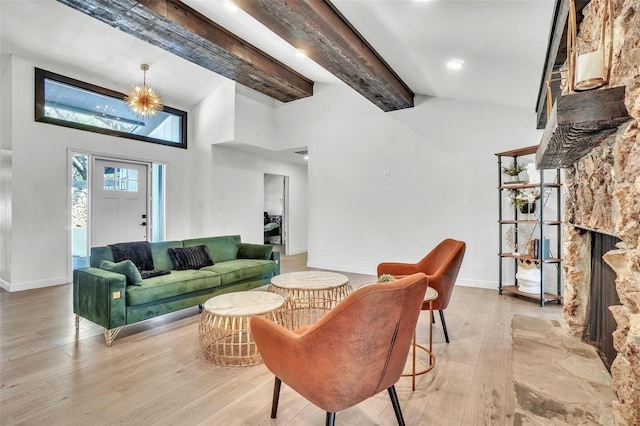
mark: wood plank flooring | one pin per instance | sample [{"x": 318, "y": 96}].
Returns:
[{"x": 156, "y": 374}]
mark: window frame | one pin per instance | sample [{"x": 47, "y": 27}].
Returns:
[{"x": 39, "y": 113}]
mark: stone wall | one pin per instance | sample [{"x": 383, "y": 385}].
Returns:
[{"x": 603, "y": 194}]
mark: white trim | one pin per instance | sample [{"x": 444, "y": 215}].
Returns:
[
  {"x": 342, "y": 268},
  {"x": 293, "y": 253},
  {"x": 31, "y": 285},
  {"x": 491, "y": 285}
]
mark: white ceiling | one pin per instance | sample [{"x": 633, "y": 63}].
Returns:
[{"x": 503, "y": 44}]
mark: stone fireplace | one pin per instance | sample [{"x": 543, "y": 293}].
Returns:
[{"x": 603, "y": 195}]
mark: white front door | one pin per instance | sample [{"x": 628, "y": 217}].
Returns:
[{"x": 119, "y": 206}]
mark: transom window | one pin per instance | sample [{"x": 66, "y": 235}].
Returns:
[
  {"x": 117, "y": 179},
  {"x": 72, "y": 103}
]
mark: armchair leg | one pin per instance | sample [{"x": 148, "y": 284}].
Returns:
[
  {"x": 276, "y": 398},
  {"x": 331, "y": 419},
  {"x": 444, "y": 325},
  {"x": 396, "y": 405}
]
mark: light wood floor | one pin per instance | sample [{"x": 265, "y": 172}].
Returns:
[{"x": 155, "y": 373}]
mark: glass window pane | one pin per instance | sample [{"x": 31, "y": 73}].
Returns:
[
  {"x": 73, "y": 103},
  {"x": 79, "y": 210}
]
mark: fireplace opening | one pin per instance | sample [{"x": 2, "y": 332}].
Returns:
[{"x": 600, "y": 323}]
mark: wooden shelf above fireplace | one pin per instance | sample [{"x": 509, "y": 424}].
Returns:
[{"x": 579, "y": 122}]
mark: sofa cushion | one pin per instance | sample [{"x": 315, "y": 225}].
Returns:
[
  {"x": 221, "y": 248},
  {"x": 126, "y": 268},
  {"x": 99, "y": 254},
  {"x": 175, "y": 284},
  {"x": 154, "y": 273},
  {"x": 241, "y": 269},
  {"x": 195, "y": 257},
  {"x": 139, "y": 252},
  {"x": 161, "y": 259},
  {"x": 254, "y": 251}
]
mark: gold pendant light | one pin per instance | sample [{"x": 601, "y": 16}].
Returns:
[{"x": 143, "y": 100}]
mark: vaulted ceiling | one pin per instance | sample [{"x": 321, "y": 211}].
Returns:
[
  {"x": 315, "y": 27},
  {"x": 503, "y": 44}
]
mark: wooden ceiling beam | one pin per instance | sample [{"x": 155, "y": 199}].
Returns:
[
  {"x": 177, "y": 28},
  {"x": 326, "y": 36}
]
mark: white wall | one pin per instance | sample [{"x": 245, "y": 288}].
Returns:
[
  {"x": 255, "y": 118},
  {"x": 40, "y": 238},
  {"x": 213, "y": 122},
  {"x": 442, "y": 177},
  {"x": 273, "y": 194},
  {"x": 6, "y": 97},
  {"x": 239, "y": 196},
  {"x": 208, "y": 192}
]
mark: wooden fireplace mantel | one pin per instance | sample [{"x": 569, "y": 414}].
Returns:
[{"x": 579, "y": 122}]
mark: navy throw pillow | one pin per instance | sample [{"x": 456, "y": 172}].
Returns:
[{"x": 195, "y": 257}]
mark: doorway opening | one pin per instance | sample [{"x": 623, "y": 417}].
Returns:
[
  {"x": 114, "y": 200},
  {"x": 276, "y": 211}
]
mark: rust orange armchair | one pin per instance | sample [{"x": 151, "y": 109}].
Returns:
[
  {"x": 356, "y": 350},
  {"x": 441, "y": 266}
]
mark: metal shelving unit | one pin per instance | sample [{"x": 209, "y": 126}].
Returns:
[{"x": 541, "y": 226}]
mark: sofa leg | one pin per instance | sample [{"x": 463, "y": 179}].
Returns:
[
  {"x": 200, "y": 308},
  {"x": 110, "y": 335},
  {"x": 77, "y": 321}
]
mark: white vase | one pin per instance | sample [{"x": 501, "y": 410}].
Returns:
[{"x": 528, "y": 280}]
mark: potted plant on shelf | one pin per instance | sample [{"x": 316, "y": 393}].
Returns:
[
  {"x": 517, "y": 249},
  {"x": 514, "y": 171},
  {"x": 524, "y": 200}
]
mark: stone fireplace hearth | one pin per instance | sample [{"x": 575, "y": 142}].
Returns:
[{"x": 603, "y": 195}]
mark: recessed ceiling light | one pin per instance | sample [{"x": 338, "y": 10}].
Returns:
[
  {"x": 300, "y": 53},
  {"x": 455, "y": 64},
  {"x": 229, "y": 5}
]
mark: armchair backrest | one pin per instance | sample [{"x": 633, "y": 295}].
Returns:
[
  {"x": 442, "y": 265},
  {"x": 356, "y": 350}
]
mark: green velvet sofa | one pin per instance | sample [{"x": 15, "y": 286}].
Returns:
[{"x": 104, "y": 298}]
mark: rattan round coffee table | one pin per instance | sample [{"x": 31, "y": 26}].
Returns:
[
  {"x": 225, "y": 336},
  {"x": 309, "y": 295}
]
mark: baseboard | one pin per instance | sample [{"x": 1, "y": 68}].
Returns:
[
  {"x": 342, "y": 268},
  {"x": 31, "y": 285},
  {"x": 491, "y": 285},
  {"x": 293, "y": 252},
  {"x": 465, "y": 282}
]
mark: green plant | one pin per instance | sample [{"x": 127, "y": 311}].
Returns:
[
  {"x": 385, "y": 278},
  {"x": 520, "y": 197},
  {"x": 514, "y": 170}
]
